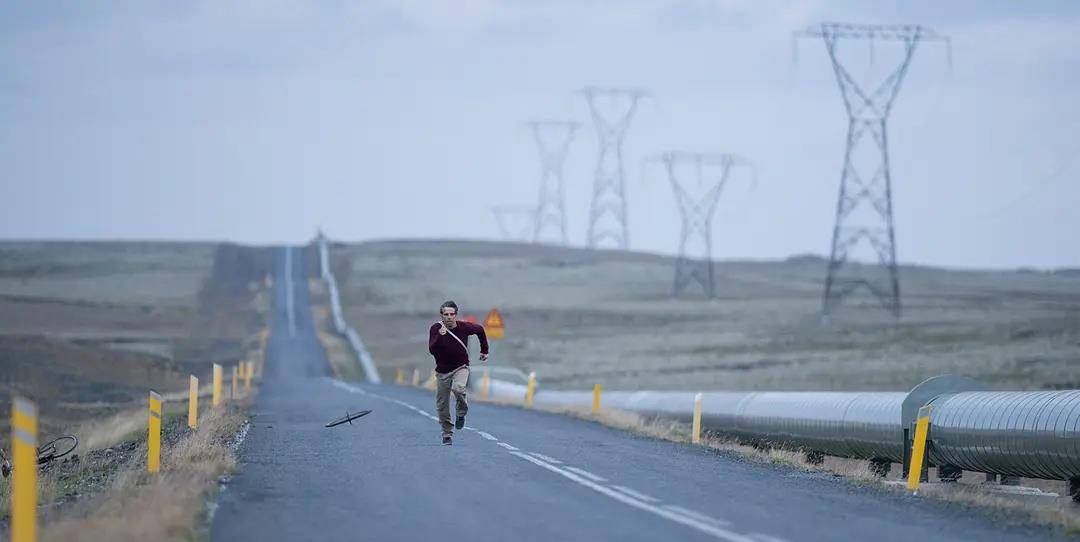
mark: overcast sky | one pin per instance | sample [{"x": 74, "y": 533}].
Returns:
[{"x": 260, "y": 121}]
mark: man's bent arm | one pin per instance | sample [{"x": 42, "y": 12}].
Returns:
[
  {"x": 483, "y": 338},
  {"x": 433, "y": 335}
]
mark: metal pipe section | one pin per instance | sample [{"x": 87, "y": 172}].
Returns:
[
  {"x": 1034, "y": 434},
  {"x": 862, "y": 425},
  {"x": 371, "y": 373},
  {"x": 1030, "y": 434},
  {"x": 858, "y": 425}
]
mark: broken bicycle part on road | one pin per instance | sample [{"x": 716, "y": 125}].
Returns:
[{"x": 348, "y": 418}]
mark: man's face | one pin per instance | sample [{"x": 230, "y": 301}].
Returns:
[{"x": 449, "y": 314}]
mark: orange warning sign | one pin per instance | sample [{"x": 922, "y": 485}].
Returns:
[
  {"x": 470, "y": 319},
  {"x": 494, "y": 326}
]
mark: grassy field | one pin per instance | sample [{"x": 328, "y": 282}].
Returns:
[
  {"x": 87, "y": 328},
  {"x": 581, "y": 317}
]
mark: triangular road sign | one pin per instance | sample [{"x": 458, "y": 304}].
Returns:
[{"x": 494, "y": 325}]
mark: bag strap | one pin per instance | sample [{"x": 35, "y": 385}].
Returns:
[{"x": 456, "y": 338}]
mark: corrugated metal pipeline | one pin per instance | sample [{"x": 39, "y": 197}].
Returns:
[
  {"x": 1033, "y": 434},
  {"x": 859, "y": 425},
  {"x": 847, "y": 424},
  {"x": 1030, "y": 434}
]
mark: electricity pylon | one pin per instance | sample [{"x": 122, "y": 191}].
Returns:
[
  {"x": 516, "y": 222},
  {"x": 865, "y": 178},
  {"x": 709, "y": 173},
  {"x": 552, "y": 142},
  {"x": 612, "y": 110}
]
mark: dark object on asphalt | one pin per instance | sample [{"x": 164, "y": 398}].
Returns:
[
  {"x": 348, "y": 418},
  {"x": 447, "y": 441},
  {"x": 460, "y": 422}
]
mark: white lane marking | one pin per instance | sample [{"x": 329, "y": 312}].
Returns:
[
  {"x": 714, "y": 530},
  {"x": 697, "y": 515},
  {"x": 767, "y": 538},
  {"x": 635, "y": 494},
  {"x": 587, "y": 474},
  {"x": 289, "y": 301},
  {"x": 507, "y": 446},
  {"x": 546, "y": 458},
  {"x": 678, "y": 514}
]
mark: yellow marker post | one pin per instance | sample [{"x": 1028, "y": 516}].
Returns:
[
  {"x": 695, "y": 431},
  {"x": 485, "y": 385},
  {"x": 261, "y": 357},
  {"x": 217, "y": 384},
  {"x": 529, "y": 391},
  {"x": 232, "y": 394},
  {"x": 918, "y": 453},
  {"x": 248, "y": 370},
  {"x": 416, "y": 377},
  {"x": 596, "y": 400},
  {"x": 432, "y": 383},
  {"x": 153, "y": 441},
  {"x": 400, "y": 378},
  {"x": 24, "y": 485},
  {"x": 193, "y": 402}
]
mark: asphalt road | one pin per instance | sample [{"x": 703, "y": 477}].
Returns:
[{"x": 516, "y": 474}]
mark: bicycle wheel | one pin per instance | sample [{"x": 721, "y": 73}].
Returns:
[{"x": 57, "y": 448}]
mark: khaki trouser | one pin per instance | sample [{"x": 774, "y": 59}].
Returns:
[{"x": 454, "y": 381}]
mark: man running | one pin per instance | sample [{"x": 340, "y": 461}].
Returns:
[{"x": 447, "y": 341}]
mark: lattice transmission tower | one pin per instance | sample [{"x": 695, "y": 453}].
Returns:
[
  {"x": 612, "y": 110},
  {"x": 552, "y": 142},
  {"x": 516, "y": 222},
  {"x": 864, "y": 209},
  {"x": 697, "y": 179}
]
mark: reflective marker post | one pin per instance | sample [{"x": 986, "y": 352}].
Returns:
[
  {"x": 596, "y": 400},
  {"x": 193, "y": 402},
  {"x": 218, "y": 377},
  {"x": 695, "y": 435},
  {"x": 153, "y": 441},
  {"x": 918, "y": 453},
  {"x": 24, "y": 483},
  {"x": 530, "y": 390}
]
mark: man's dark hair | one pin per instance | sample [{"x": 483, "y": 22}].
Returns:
[{"x": 448, "y": 305}]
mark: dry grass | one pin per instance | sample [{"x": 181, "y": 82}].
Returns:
[
  {"x": 576, "y": 316},
  {"x": 163, "y": 506},
  {"x": 122, "y": 426},
  {"x": 1057, "y": 512},
  {"x": 98, "y": 434},
  {"x": 118, "y": 499}
]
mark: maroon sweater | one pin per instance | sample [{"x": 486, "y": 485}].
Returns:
[{"x": 449, "y": 354}]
